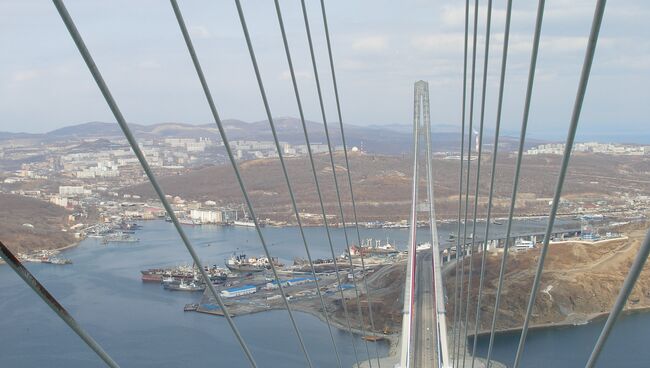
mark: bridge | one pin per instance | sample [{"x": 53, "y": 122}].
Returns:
[{"x": 429, "y": 336}]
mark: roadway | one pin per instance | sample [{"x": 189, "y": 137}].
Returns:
[{"x": 424, "y": 325}]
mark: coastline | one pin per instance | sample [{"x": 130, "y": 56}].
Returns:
[
  {"x": 60, "y": 249},
  {"x": 576, "y": 320}
]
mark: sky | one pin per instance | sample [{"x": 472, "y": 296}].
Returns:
[{"x": 381, "y": 48}]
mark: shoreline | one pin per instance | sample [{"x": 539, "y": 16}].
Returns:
[
  {"x": 60, "y": 249},
  {"x": 578, "y": 321}
]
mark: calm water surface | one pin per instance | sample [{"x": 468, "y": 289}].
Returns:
[
  {"x": 142, "y": 325},
  {"x": 627, "y": 346}
]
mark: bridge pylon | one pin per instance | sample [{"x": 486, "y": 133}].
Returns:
[{"x": 414, "y": 283}]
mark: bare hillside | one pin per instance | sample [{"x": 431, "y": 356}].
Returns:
[
  {"x": 382, "y": 184},
  {"x": 47, "y": 219},
  {"x": 580, "y": 281}
]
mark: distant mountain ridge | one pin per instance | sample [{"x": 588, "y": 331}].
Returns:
[{"x": 392, "y": 139}]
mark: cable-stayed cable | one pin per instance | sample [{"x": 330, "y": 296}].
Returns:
[
  {"x": 51, "y": 302},
  {"x": 304, "y": 125},
  {"x": 318, "y": 190},
  {"x": 621, "y": 299},
  {"x": 233, "y": 162},
  {"x": 568, "y": 147},
  {"x": 347, "y": 167},
  {"x": 469, "y": 165},
  {"x": 83, "y": 50},
  {"x": 515, "y": 184},
  {"x": 269, "y": 116},
  {"x": 504, "y": 59},
  {"x": 460, "y": 184},
  {"x": 488, "y": 24},
  {"x": 333, "y": 166},
  {"x": 293, "y": 199}
]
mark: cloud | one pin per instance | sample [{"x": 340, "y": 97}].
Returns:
[
  {"x": 370, "y": 43},
  {"x": 149, "y": 64},
  {"x": 25, "y": 75},
  {"x": 550, "y": 44},
  {"x": 353, "y": 65},
  {"x": 442, "y": 42},
  {"x": 200, "y": 32},
  {"x": 300, "y": 75}
]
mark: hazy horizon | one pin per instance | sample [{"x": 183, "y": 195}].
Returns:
[
  {"x": 558, "y": 136},
  {"x": 380, "y": 49}
]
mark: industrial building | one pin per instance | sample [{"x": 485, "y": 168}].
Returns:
[{"x": 239, "y": 291}]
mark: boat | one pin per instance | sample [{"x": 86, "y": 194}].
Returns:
[
  {"x": 219, "y": 279},
  {"x": 239, "y": 263},
  {"x": 372, "y": 338},
  {"x": 452, "y": 236},
  {"x": 120, "y": 238},
  {"x": 152, "y": 278},
  {"x": 374, "y": 225},
  {"x": 188, "y": 221},
  {"x": 190, "y": 307},
  {"x": 496, "y": 222},
  {"x": 183, "y": 273},
  {"x": 185, "y": 286},
  {"x": 129, "y": 226},
  {"x": 59, "y": 261},
  {"x": 246, "y": 223}
]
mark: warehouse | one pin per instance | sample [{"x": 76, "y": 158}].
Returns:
[{"x": 239, "y": 291}]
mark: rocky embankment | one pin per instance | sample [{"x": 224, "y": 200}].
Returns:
[{"x": 580, "y": 281}]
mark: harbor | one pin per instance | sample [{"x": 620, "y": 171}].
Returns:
[{"x": 153, "y": 321}]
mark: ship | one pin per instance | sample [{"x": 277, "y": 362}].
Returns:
[
  {"x": 372, "y": 247},
  {"x": 452, "y": 236},
  {"x": 153, "y": 274},
  {"x": 496, "y": 222},
  {"x": 246, "y": 223},
  {"x": 128, "y": 226},
  {"x": 182, "y": 273},
  {"x": 185, "y": 286},
  {"x": 59, "y": 261},
  {"x": 239, "y": 263},
  {"x": 120, "y": 238},
  {"x": 188, "y": 221}
]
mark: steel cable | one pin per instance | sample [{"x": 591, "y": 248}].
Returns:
[
  {"x": 488, "y": 24},
  {"x": 333, "y": 166},
  {"x": 347, "y": 166},
  {"x": 83, "y": 50},
  {"x": 293, "y": 199},
  {"x": 54, "y": 304},
  {"x": 469, "y": 165},
  {"x": 515, "y": 185},
  {"x": 460, "y": 184},
  {"x": 573, "y": 126},
  {"x": 504, "y": 60}
]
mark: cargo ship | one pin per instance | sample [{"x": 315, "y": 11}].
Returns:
[
  {"x": 180, "y": 273},
  {"x": 153, "y": 274},
  {"x": 240, "y": 263}
]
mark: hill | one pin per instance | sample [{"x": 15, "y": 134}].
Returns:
[
  {"x": 382, "y": 184},
  {"x": 394, "y": 139},
  {"x": 47, "y": 219},
  {"x": 580, "y": 281}
]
